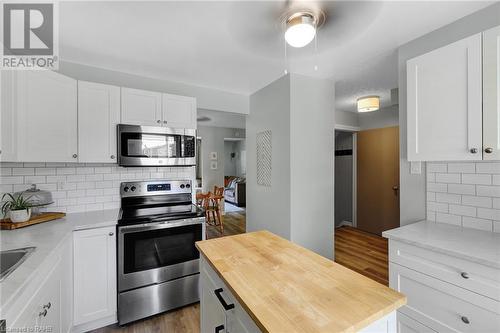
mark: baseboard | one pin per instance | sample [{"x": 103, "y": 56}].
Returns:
[
  {"x": 345, "y": 223},
  {"x": 95, "y": 324}
]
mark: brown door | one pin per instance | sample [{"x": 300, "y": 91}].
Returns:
[{"x": 378, "y": 180}]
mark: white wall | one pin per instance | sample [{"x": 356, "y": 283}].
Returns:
[
  {"x": 229, "y": 162},
  {"x": 311, "y": 162},
  {"x": 269, "y": 207},
  {"x": 412, "y": 187},
  {"x": 206, "y": 98},
  {"x": 343, "y": 118},
  {"x": 385, "y": 117},
  {"x": 212, "y": 140},
  {"x": 299, "y": 205}
]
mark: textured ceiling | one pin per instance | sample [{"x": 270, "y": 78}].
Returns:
[{"x": 238, "y": 45}]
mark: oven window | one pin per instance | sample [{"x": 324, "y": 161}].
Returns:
[
  {"x": 151, "y": 145},
  {"x": 151, "y": 249}
]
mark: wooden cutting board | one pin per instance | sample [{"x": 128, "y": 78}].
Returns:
[{"x": 6, "y": 224}]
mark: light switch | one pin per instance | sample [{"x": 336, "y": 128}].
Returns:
[{"x": 416, "y": 168}]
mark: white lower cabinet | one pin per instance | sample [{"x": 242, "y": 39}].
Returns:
[
  {"x": 45, "y": 303},
  {"x": 437, "y": 301},
  {"x": 220, "y": 312},
  {"x": 94, "y": 262}
]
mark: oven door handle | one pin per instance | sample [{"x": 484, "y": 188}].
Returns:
[
  {"x": 222, "y": 301},
  {"x": 159, "y": 225}
]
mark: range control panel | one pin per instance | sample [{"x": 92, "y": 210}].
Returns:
[{"x": 156, "y": 187}]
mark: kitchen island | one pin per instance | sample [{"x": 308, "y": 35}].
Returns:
[{"x": 259, "y": 282}]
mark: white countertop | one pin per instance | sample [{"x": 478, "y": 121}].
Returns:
[
  {"x": 475, "y": 245},
  {"x": 46, "y": 237}
]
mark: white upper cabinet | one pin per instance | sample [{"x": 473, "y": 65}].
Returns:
[
  {"x": 445, "y": 103},
  {"x": 46, "y": 111},
  {"x": 8, "y": 117},
  {"x": 98, "y": 115},
  {"x": 141, "y": 107},
  {"x": 94, "y": 275},
  {"x": 491, "y": 97},
  {"x": 179, "y": 111}
]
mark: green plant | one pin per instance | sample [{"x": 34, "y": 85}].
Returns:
[{"x": 15, "y": 203}]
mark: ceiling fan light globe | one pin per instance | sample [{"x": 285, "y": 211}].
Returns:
[{"x": 299, "y": 35}]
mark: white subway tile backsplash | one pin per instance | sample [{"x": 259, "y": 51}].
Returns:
[
  {"x": 437, "y": 167},
  {"x": 434, "y": 187},
  {"x": 437, "y": 207},
  {"x": 488, "y": 191},
  {"x": 448, "y": 178},
  {"x": 475, "y": 223},
  {"x": 23, "y": 171},
  {"x": 463, "y": 210},
  {"x": 461, "y": 189},
  {"x": 464, "y": 193},
  {"x": 461, "y": 167},
  {"x": 78, "y": 187},
  {"x": 448, "y": 198},
  {"x": 488, "y": 167},
  {"x": 468, "y": 178},
  {"x": 448, "y": 218},
  {"x": 471, "y": 200}
]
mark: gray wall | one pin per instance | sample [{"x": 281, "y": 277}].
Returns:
[
  {"x": 346, "y": 118},
  {"x": 412, "y": 187},
  {"x": 234, "y": 166},
  {"x": 311, "y": 162},
  {"x": 206, "y": 98},
  {"x": 343, "y": 178},
  {"x": 212, "y": 140},
  {"x": 299, "y": 205},
  {"x": 269, "y": 207}
]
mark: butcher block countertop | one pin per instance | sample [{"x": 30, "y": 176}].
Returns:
[{"x": 287, "y": 288}]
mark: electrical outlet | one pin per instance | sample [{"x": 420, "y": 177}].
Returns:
[{"x": 416, "y": 168}]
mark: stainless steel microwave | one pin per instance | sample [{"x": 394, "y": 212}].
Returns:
[{"x": 155, "y": 146}]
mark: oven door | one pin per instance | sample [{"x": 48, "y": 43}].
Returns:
[
  {"x": 157, "y": 252},
  {"x": 155, "y": 146}
]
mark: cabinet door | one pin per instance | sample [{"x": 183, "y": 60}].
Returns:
[
  {"x": 179, "y": 111},
  {"x": 491, "y": 98},
  {"x": 445, "y": 103},
  {"x": 141, "y": 107},
  {"x": 46, "y": 124},
  {"x": 98, "y": 115},
  {"x": 407, "y": 325},
  {"x": 94, "y": 257},
  {"x": 7, "y": 117}
]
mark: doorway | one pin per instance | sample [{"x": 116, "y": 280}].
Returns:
[{"x": 366, "y": 198}]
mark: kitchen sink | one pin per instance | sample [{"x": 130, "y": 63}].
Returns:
[{"x": 11, "y": 259}]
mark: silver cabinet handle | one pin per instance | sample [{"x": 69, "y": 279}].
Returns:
[
  {"x": 43, "y": 313},
  {"x": 164, "y": 121},
  {"x": 112, "y": 157},
  {"x": 473, "y": 150},
  {"x": 158, "y": 121},
  {"x": 75, "y": 155},
  {"x": 488, "y": 150},
  {"x": 465, "y": 320},
  {"x": 47, "y": 306},
  {"x": 111, "y": 233},
  {"x": 465, "y": 275}
]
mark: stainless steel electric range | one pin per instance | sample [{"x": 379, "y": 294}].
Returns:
[{"x": 158, "y": 263}]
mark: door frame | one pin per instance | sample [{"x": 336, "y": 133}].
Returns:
[{"x": 353, "y": 130}]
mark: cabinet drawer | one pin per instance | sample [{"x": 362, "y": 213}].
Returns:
[
  {"x": 409, "y": 325},
  {"x": 443, "y": 306},
  {"x": 481, "y": 279}
]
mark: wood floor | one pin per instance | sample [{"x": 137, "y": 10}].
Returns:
[
  {"x": 355, "y": 249},
  {"x": 362, "y": 252}
]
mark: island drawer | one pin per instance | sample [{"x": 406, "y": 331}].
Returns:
[
  {"x": 475, "y": 277},
  {"x": 443, "y": 306}
]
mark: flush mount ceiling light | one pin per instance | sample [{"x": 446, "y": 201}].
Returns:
[
  {"x": 300, "y": 29},
  {"x": 368, "y": 103}
]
